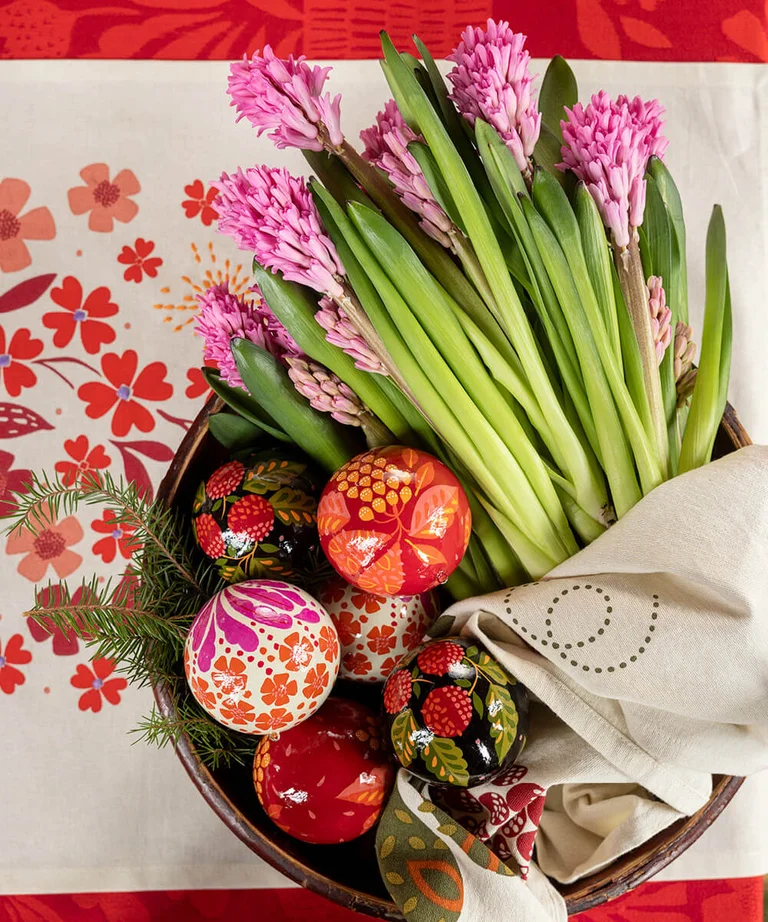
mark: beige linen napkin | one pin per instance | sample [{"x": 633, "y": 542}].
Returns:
[{"x": 650, "y": 650}]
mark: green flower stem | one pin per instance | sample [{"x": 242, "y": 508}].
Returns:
[
  {"x": 429, "y": 305},
  {"x": 552, "y": 203},
  {"x": 491, "y": 258},
  {"x": 630, "y": 352},
  {"x": 629, "y": 268},
  {"x": 532, "y": 558}
]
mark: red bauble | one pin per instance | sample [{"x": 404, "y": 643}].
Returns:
[
  {"x": 326, "y": 780},
  {"x": 394, "y": 521}
]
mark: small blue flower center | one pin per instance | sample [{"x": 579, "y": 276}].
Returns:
[
  {"x": 2, "y": 661},
  {"x": 124, "y": 392},
  {"x": 5, "y": 360},
  {"x": 97, "y": 683},
  {"x": 117, "y": 533},
  {"x": 79, "y": 315}
]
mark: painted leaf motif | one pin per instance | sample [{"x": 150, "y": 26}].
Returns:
[
  {"x": 353, "y": 551},
  {"x": 16, "y": 421},
  {"x": 428, "y": 554},
  {"x": 596, "y": 30},
  {"x": 370, "y": 793},
  {"x": 275, "y": 472},
  {"x": 403, "y": 728},
  {"x": 425, "y": 474},
  {"x": 434, "y": 512},
  {"x": 135, "y": 472},
  {"x": 384, "y": 576},
  {"x": 410, "y": 457},
  {"x": 332, "y": 514},
  {"x": 445, "y": 761},
  {"x": 154, "y": 450},
  {"x": 199, "y": 497},
  {"x": 503, "y": 713},
  {"x": 294, "y": 507},
  {"x": 451, "y": 883},
  {"x": 491, "y": 668},
  {"x": 25, "y": 293},
  {"x": 477, "y": 703},
  {"x": 644, "y": 33}
]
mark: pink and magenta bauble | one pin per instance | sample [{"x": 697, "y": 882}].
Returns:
[
  {"x": 327, "y": 780},
  {"x": 375, "y": 631},
  {"x": 394, "y": 521},
  {"x": 261, "y": 656}
]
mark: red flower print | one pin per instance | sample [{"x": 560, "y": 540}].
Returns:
[
  {"x": 413, "y": 635},
  {"x": 348, "y": 627},
  {"x": 11, "y": 481},
  {"x": 36, "y": 224},
  {"x": 124, "y": 387},
  {"x": 225, "y": 480},
  {"x": 295, "y": 652},
  {"x": 200, "y": 202},
  {"x": 119, "y": 536},
  {"x": 97, "y": 682},
  {"x": 205, "y": 697},
  {"x": 197, "y": 384},
  {"x": 388, "y": 666},
  {"x": 209, "y": 536},
  {"x": 229, "y": 676},
  {"x": 368, "y": 602},
  {"x": 107, "y": 201},
  {"x": 382, "y": 639},
  {"x": 11, "y": 657},
  {"x": 81, "y": 314},
  {"x": 237, "y": 712},
  {"x": 275, "y": 720},
  {"x": 84, "y": 461},
  {"x": 397, "y": 691},
  {"x": 16, "y": 375},
  {"x": 357, "y": 663},
  {"x": 316, "y": 681},
  {"x": 66, "y": 640},
  {"x": 50, "y": 546},
  {"x": 279, "y": 689},
  {"x": 329, "y": 643},
  {"x": 138, "y": 261}
]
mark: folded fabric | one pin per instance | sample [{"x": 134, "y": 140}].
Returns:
[{"x": 648, "y": 653}]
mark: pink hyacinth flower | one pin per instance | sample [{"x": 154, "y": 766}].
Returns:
[
  {"x": 271, "y": 214},
  {"x": 223, "y": 315},
  {"x": 661, "y": 316},
  {"x": 492, "y": 81},
  {"x": 386, "y": 145},
  {"x": 325, "y": 391},
  {"x": 284, "y": 95},
  {"x": 340, "y": 332},
  {"x": 607, "y": 145}
]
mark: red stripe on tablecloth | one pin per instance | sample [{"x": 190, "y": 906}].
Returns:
[
  {"x": 698, "y": 901},
  {"x": 640, "y": 30}
]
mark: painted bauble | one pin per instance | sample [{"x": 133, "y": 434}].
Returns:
[
  {"x": 261, "y": 656},
  {"x": 258, "y": 517},
  {"x": 327, "y": 780},
  {"x": 454, "y": 715},
  {"x": 375, "y": 631},
  {"x": 394, "y": 521}
]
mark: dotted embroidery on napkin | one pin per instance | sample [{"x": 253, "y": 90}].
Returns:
[{"x": 555, "y": 644}]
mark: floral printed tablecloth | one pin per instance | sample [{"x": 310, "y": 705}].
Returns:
[{"x": 107, "y": 233}]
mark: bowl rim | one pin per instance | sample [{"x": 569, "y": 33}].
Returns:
[{"x": 621, "y": 876}]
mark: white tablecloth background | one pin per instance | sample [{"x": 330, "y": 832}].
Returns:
[{"x": 81, "y": 809}]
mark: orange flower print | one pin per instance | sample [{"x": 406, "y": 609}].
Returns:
[
  {"x": 138, "y": 260},
  {"x": 106, "y": 200},
  {"x": 275, "y": 720},
  {"x": 279, "y": 689},
  {"x": 229, "y": 676},
  {"x": 382, "y": 639},
  {"x": 295, "y": 652},
  {"x": 237, "y": 712},
  {"x": 366, "y": 601},
  {"x": 15, "y": 374},
  {"x": 98, "y": 684},
  {"x": 200, "y": 202},
  {"x": 357, "y": 663},
  {"x": 48, "y": 547},
  {"x": 388, "y": 666},
  {"x": 316, "y": 681},
  {"x": 329, "y": 643},
  {"x": 200, "y": 690},
  {"x": 413, "y": 635},
  {"x": 36, "y": 224},
  {"x": 11, "y": 656},
  {"x": 348, "y": 627}
]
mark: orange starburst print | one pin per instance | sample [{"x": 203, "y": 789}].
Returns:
[{"x": 182, "y": 310}]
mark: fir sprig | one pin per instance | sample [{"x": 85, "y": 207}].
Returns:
[{"x": 141, "y": 621}]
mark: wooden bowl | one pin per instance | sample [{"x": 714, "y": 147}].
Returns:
[{"x": 348, "y": 874}]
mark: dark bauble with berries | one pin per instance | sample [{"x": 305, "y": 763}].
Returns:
[
  {"x": 455, "y": 716},
  {"x": 257, "y": 517}
]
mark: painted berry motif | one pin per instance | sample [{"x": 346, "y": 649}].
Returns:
[
  {"x": 496, "y": 806},
  {"x": 437, "y": 658},
  {"x": 253, "y": 516},
  {"x": 397, "y": 691},
  {"x": 258, "y": 517},
  {"x": 394, "y": 521},
  {"x": 447, "y": 711},
  {"x": 455, "y": 717}
]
